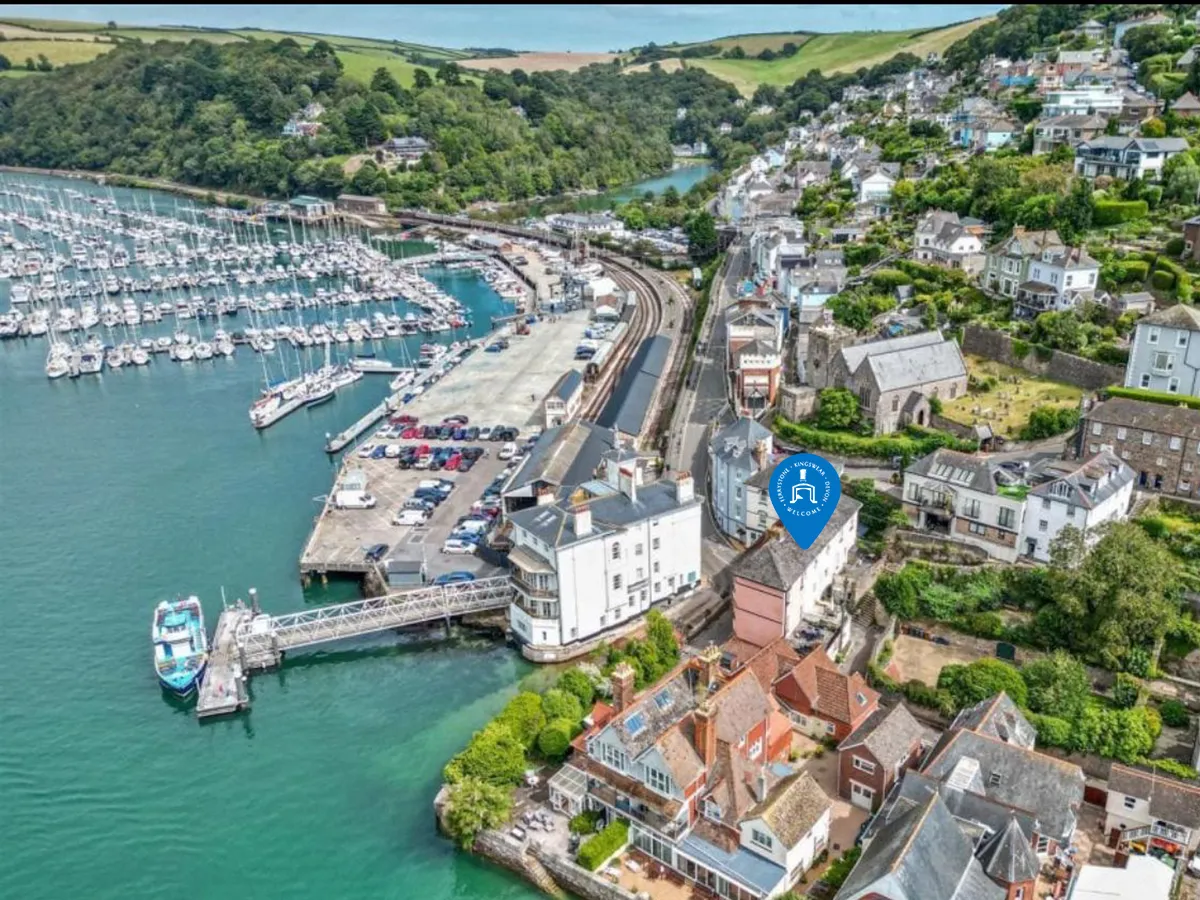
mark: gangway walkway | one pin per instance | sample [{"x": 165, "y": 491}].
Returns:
[{"x": 245, "y": 641}]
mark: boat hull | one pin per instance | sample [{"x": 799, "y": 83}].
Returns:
[{"x": 186, "y": 685}]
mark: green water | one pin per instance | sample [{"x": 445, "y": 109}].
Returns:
[{"x": 117, "y": 491}]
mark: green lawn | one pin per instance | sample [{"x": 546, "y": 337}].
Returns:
[
  {"x": 361, "y": 65},
  {"x": 18, "y": 73},
  {"x": 755, "y": 43}
]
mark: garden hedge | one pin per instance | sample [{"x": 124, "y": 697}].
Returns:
[
  {"x": 1116, "y": 212},
  {"x": 597, "y": 849},
  {"x": 1154, "y": 396}
]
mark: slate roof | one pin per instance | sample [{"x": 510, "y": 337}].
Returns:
[
  {"x": 1188, "y": 101},
  {"x": 901, "y": 369},
  {"x": 626, "y": 409},
  {"x": 1178, "y": 316},
  {"x": 793, "y": 808},
  {"x": 1172, "y": 801},
  {"x": 565, "y": 455},
  {"x": 889, "y": 735},
  {"x": 1049, "y": 788},
  {"x": 920, "y": 855},
  {"x": 854, "y": 355},
  {"x": 1008, "y": 856},
  {"x": 777, "y": 561},
  {"x": 734, "y": 445},
  {"x": 1088, "y": 483},
  {"x": 641, "y": 725},
  {"x": 1156, "y": 417},
  {"x": 1027, "y": 243},
  {"x": 963, "y": 470},
  {"x": 1116, "y": 142},
  {"x": 567, "y": 385},
  {"x": 1000, "y": 718}
]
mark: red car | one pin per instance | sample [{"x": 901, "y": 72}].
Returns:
[
  {"x": 456, "y": 420},
  {"x": 453, "y": 461},
  {"x": 424, "y": 450},
  {"x": 404, "y": 419},
  {"x": 410, "y": 433}
]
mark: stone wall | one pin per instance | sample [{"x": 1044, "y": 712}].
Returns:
[
  {"x": 938, "y": 548},
  {"x": 966, "y": 432},
  {"x": 579, "y": 881},
  {"x": 1052, "y": 364}
]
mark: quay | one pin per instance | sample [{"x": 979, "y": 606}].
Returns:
[
  {"x": 490, "y": 388},
  {"x": 247, "y": 640},
  {"x": 389, "y": 404}
]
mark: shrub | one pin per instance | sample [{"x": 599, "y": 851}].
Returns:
[
  {"x": 1021, "y": 348},
  {"x": 1047, "y": 421},
  {"x": 585, "y": 822},
  {"x": 1136, "y": 270},
  {"x": 981, "y": 679},
  {"x": 474, "y": 805},
  {"x": 1051, "y": 730},
  {"x": 1174, "y": 768},
  {"x": 838, "y": 409},
  {"x": 1174, "y": 247},
  {"x": 1174, "y": 714},
  {"x": 839, "y": 870},
  {"x": 524, "y": 717},
  {"x": 1161, "y": 280},
  {"x": 1058, "y": 685},
  {"x": 597, "y": 849},
  {"x": 493, "y": 754},
  {"x": 889, "y": 279},
  {"x": 558, "y": 704},
  {"x": 910, "y": 444},
  {"x": 1117, "y": 212},
  {"x": 984, "y": 624},
  {"x": 1154, "y": 396},
  {"x": 576, "y": 682},
  {"x": 554, "y": 740}
]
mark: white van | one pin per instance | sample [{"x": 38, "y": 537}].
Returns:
[
  {"x": 411, "y": 517},
  {"x": 353, "y": 500},
  {"x": 508, "y": 451}
]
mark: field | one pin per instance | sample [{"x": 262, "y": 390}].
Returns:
[
  {"x": 150, "y": 35},
  {"x": 60, "y": 53},
  {"x": 831, "y": 53},
  {"x": 11, "y": 31},
  {"x": 539, "y": 62},
  {"x": 361, "y": 65},
  {"x": 674, "y": 64},
  {"x": 1007, "y": 406}
]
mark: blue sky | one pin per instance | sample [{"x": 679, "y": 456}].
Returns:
[{"x": 594, "y": 28}]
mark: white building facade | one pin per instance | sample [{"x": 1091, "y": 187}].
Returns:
[
  {"x": 1084, "y": 495},
  {"x": 1165, "y": 353}
]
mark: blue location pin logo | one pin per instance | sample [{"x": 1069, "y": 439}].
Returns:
[{"x": 805, "y": 490}]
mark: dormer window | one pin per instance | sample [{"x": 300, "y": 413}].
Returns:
[
  {"x": 712, "y": 810},
  {"x": 994, "y": 779},
  {"x": 861, "y": 698}
]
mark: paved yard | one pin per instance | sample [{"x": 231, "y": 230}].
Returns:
[
  {"x": 846, "y": 819},
  {"x": 923, "y": 660}
]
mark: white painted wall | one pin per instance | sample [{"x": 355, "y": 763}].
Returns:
[{"x": 804, "y": 595}]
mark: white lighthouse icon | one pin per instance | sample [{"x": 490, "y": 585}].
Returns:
[{"x": 804, "y": 488}]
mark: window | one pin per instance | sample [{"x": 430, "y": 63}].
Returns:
[
  {"x": 1043, "y": 843},
  {"x": 1097, "y": 428},
  {"x": 976, "y": 528},
  {"x": 1130, "y": 802},
  {"x": 864, "y": 765},
  {"x": 654, "y": 544},
  {"x": 829, "y": 728},
  {"x": 1173, "y": 386},
  {"x": 1164, "y": 362},
  {"x": 1152, "y": 336},
  {"x": 1181, "y": 339},
  {"x": 1175, "y": 443},
  {"x": 712, "y": 810},
  {"x": 971, "y": 509},
  {"x": 1045, "y": 503},
  {"x": 1007, "y": 517},
  {"x": 763, "y": 840},
  {"x": 1070, "y": 512},
  {"x": 617, "y": 582},
  {"x": 616, "y": 550},
  {"x": 756, "y": 749},
  {"x": 613, "y": 757},
  {"x": 641, "y": 573},
  {"x": 1184, "y": 487},
  {"x": 1147, "y": 438},
  {"x": 1146, "y": 380},
  {"x": 994, "y": 779},
  {"x": 861, "y": 698},
  {"x": 637, "y": 549},
  {"x": 656, "y": 567},
  {"x": 1043, "y": 525},
  {"x": 658, "y": 781},
  {"x": 1121, "y": 434}
]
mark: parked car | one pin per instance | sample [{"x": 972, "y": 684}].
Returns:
[
  {"x": 376, "y": 552},
  {"x": 466, "y": 465},
  {"x": 414, "y": 517},
  {"x": 457, "y": 546},
  {"x": 508, "y": 451},
  {"x": 457, "y": 577},
  {"x": 365, "y": 451},
  {"x": 456, "y": 419},
  {"x": 485, "y": 433},
  {"x": 472, "y": 433}
]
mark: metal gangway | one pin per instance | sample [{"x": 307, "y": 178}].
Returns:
[{"x": 262, "y": 640}]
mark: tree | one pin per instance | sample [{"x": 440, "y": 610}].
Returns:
[
  {"x": 555, "y": 739},
  {"x": 702, "y": 236},
  {"x": 421, "y": 79},
  {"x": 1058, "y": 685},
  {"x": 670, "y": 196},
  {"x": 1154, "y": 128},
  {"x": 5, "y": 64},
  {"x": 30, "y": 64},
  {"x": 1073, "y": 214},
  {"x": 1181, "y": 178},
  {"x": 838, "y": 409},
  {"x": 1067, "y": 549},
  {"x": 472, "y": 806},
  {"x": 980, "y": 680},
  {"x": 577, "y": 682},
  {"x": 449, "y": 73},
  {"x": 385, "y": 82},
  {"x": 1126, "y": 691},
  {"x": 560, "y": 704},
  {"x": 661, "y": 634},
  {"x": 524, "y": 716},
  {"x": 494, "y": 755}
]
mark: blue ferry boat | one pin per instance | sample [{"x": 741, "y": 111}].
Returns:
[{"x": 180, "y": 644}]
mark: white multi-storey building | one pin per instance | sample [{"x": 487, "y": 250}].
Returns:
[
  {"x": 1165, "y": 353},
  {"x": 736, "y": 454},
  {"x": 602, "y": 556},
  {"x": 1060, "y": 278},
  {"x": 1100, "y": 99},
  {"x": 1080, "y": 493}
]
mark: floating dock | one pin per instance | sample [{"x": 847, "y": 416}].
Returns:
[{"x": 223, "y": 689}]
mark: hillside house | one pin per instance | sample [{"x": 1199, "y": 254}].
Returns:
[
  {"x": 1160, "y": 443},
  {"x": 1161, "y": 813},
  {"x": 1084, "y": 495},
  {"x": 1164, "y": 354},
  {"x": 1059, "y": 279},
  {"x": 736, "y": 454},
  {"x": 942, "y": 239},
  {"x": 1126, "y": 158},
  {"x": 873, "y": 757},
  {"x": 822, "y": 701},
  {"x": 1054, "y": 131}
]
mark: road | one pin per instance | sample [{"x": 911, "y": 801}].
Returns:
[{"x": 703, "y": 401}]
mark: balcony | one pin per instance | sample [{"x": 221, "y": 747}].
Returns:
[
  {"x": 525, "y": 585},
  {"x": 1161, "y": 830},
  {"x": 635, "y": 809}
]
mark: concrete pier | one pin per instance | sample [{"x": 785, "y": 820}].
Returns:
[{"x": 223, "y": 689}]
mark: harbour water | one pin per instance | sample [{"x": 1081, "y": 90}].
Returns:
[
  {"x": 122, "y": 489},
  {"x": 681, "y": 178}
]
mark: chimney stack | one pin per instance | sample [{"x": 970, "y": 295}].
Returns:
[
  {"x": 623, "y": 678},
  {"x": 627, "y": 482},
  {"x": 685, "y": 487},
  {"x": 760, "y": 784},
  {"x": 710, "y": 661},
  {"x": 583, "y": 520},
  {"x": 706, "y": 733}
]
